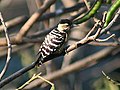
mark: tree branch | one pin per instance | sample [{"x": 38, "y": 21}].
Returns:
[
  {"x": 14, "y": 22},
  {"x": 23, "y": 18},
  {"x": 79, "y": 65},
  {"x": 35, "y": 35},
  {"x": 23, "y": 31},
  {"x": 9, "y": 48}
]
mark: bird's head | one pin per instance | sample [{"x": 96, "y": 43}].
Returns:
[{"x": 64, "y": 25}]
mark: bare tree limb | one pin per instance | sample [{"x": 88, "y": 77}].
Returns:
[
  {"x": 23, "y": 31},
  {"x": 17, "y": 74},
  {"x": 86, "y": 3},
  {"x": 23, "y": 18},
  {"x": 35, "y": 35},
  {"x": 73, "y": 67},
  {"x": 15, "y": 48},
  {"x": 9, "y": 48},
  {"x": 113, "y": 44},
  {"x": 14, "y": 22}
]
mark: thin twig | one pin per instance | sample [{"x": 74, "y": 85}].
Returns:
[
  {"x": 114, "y": 37},
  {"x": 13, "y": 22},
  {"x": 16, "y": 74},
  {"x": 93, "y": 28},
  {"x": 109, "y": 33},
  {"x": 87, "y": 5},
  {"x": 30, "y": 80},
  {"x": 9, "y": 48},
  {"x": 109, "y": 79},
  {"x": 104, "y": 30},
  {"x": 113, "y": 44},
  {"x": 106, "y": 39},
  {"x": 37, "y": 76}
]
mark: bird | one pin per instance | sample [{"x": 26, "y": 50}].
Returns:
[{"x": 54, "y": 40}]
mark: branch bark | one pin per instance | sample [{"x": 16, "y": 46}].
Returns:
[
  {"x": 23, "y": 18},
  {"x": 23, "y": 31},
  {"x": 9, "y": 48},
  {"x": 14, "y": 22},
  {"x": 35, "y": 35},
  {"x": 73, "y": 67}
]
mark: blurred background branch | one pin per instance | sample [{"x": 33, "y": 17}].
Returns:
[{"x": 8, "y": 46}]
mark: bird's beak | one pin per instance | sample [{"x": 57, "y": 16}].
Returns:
[{"x": 74, "y": 25}]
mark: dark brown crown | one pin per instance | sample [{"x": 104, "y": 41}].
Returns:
[{"x": 63, "y": 21}]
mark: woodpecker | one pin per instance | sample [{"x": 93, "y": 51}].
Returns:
[{"x": 54, "y": 40}]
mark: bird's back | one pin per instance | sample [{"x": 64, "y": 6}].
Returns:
[{"x": 52, "y": 43}]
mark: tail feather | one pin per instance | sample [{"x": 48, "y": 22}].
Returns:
[{"x": 39, "y": 59}]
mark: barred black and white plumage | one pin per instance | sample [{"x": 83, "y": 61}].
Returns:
[{"x": 54, "y": 40}]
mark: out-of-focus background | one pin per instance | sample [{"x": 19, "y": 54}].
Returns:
[{"x": 87, "y": 78}]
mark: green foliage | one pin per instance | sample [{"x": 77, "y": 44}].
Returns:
[
  {"x": 90, "y": 14},
  {"x": 27, "y": 58},
  {"x": 109, "y": 1},
  {"x": 52, "y": 88},
  {"x": 111, "y": 12},
  {"x": 104, "y": 84}
]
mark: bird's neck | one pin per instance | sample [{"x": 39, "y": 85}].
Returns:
[{"x": 61, "y": 29}]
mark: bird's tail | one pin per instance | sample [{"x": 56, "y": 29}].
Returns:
[{"x": 39, "y": 59}]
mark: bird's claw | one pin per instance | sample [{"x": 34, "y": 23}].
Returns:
[{"x": 66, "y": 52}]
